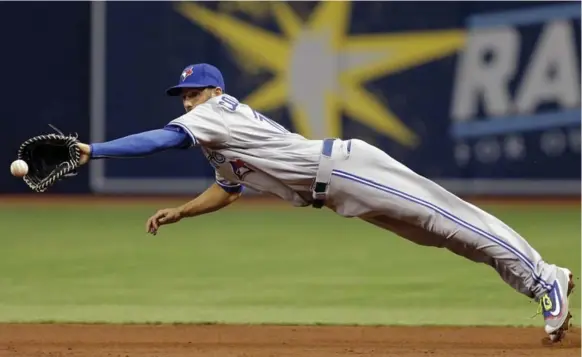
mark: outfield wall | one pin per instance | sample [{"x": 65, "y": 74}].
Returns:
[{"x": 482, "y": 97}]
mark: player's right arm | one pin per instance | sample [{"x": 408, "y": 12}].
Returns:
[{"x": 213, "y": 199}]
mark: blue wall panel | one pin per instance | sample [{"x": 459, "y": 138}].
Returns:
[{"x": 479, "y": 96}]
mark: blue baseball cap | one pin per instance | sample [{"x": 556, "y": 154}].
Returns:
[{"x": 199, "y": 75}]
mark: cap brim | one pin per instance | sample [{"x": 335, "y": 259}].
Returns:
[{"x": 176, "y": 90}]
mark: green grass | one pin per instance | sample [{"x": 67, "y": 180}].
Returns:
[{"x": 258, "y": 266}]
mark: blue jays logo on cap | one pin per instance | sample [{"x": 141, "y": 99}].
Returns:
[
  {"x": 198, "y": 75},
  {"x": 187, "y": 72}
]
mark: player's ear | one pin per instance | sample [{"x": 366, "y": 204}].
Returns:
[{"x": 217, "y": 91}]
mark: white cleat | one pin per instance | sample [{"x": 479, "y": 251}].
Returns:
[{"x": 554, "y": 305}]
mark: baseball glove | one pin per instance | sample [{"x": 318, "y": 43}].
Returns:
[{"x": 50, "y": 158}]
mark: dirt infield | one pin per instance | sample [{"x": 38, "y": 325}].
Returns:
[{"x": 263, "y": 341}]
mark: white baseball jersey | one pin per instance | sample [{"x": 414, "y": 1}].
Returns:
[{"x": 247, "y": 148}]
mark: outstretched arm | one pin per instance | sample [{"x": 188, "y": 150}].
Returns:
[
  {"x": 202, "y": 125},
  {"x": 136, "y": 145},
  {"x": 213, "y": 199}
]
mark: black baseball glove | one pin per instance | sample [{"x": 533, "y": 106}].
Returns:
[{"x": 50, "y": 158}]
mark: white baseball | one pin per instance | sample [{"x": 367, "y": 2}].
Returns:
[{"x": 19, "y": 168}]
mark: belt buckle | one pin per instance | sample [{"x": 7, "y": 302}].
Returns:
[{"x": 320, "y": 190}]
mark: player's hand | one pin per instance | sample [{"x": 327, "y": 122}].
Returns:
[
  {"x": 163, "y": 216},
  {"x": 85, "y": 153}
]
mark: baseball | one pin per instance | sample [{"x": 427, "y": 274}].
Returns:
[{"x": 19, "y": 168}]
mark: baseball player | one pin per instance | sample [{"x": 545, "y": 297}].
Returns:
[{"x": 350, "y": 177}]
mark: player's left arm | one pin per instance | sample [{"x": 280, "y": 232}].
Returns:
[
  {"x": 137, "y": 145},
  {"x": 202, "y": 125}
]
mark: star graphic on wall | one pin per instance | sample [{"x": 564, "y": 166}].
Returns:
[{"x": 319, "y": 70}]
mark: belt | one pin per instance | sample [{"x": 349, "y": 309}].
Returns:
[{"x": 323, "y": 176}]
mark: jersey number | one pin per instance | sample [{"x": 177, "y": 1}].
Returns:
[
  {"x": 231, "y": 104},
  {"x": 269, "y": 121}
]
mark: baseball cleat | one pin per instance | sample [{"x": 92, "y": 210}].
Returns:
[{"x": 554, "y": 305}]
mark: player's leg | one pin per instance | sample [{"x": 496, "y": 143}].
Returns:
[
  {"x": 552, "y": 296},
  {"x": 373, "y": 186}
]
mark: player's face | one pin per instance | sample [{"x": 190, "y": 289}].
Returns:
[{"x": 192, "y": 97}]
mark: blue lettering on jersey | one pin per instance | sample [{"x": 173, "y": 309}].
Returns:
[
  {"x": 215, "y": 158},
  {"x": 229, "y": 103}
]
